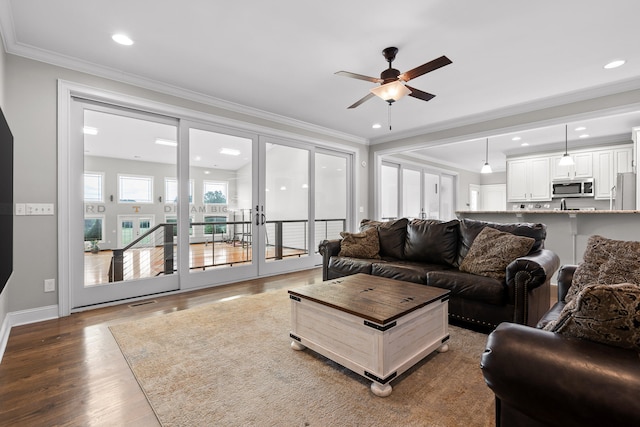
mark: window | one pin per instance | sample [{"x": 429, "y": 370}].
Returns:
[
  {"x": 215, "y": 229},
  {"x": 93, "y": 187},
  {"x": 135, "y": 189},
  {"x": 171, "y": 190},
  {"x": 215, "y": 192},
  {"x": 93, "y": 228}
]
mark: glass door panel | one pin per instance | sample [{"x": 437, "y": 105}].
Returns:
[
  {"x": 286, "y": 207},
  {"x": 389, "y": 192},
  {"x": 411, "y": 206},
  {"x": 220, "y": 166},
  {"x": 120, "y": 158},
  {"x": 432, "y": 195},
  {"x": 331, "y": 196}
]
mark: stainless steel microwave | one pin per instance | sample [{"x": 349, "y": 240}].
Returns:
[{"x": 572, "y": 188}]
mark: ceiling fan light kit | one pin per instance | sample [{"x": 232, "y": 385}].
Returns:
[
  {"x": 392, "y": 82},
  {"x": 391, "y": 92}
]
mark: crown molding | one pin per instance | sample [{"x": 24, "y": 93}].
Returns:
[{"x": 13, "y": 47}]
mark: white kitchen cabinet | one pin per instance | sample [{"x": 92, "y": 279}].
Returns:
[
  {"x": 582, "y": 167},
  {"x": 528, "y": 180},
  {"x": 607, "y": 164}
]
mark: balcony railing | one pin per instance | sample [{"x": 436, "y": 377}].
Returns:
[{"x": 220, "y": 244}]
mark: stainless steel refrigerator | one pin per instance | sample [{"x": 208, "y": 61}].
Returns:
[{"x": 625, "y": 192}]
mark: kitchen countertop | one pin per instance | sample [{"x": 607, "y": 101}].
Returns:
[{"x": 550, "y": 211}]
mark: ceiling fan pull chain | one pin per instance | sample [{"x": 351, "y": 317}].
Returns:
[{"x": 389, "y": 116}]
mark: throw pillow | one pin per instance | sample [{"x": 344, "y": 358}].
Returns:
[
  {"x": 608, "y": 314},
  {"x": 606, "y": 261},
  {"x": 391, "y": 235},
  {"x": 360, "y": 245},
  {"x": 493, "y": 250},
  {"x": 432, "y": 241}
]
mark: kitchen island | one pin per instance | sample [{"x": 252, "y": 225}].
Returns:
[{"x": 569, "y": 230}]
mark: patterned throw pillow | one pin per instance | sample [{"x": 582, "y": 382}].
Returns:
[
  {"x": 606, "y": 261},
  {"x": 360, "y": 245},
  {"x": 493, "y": 250},
  {"x": 608, "y": 314}
]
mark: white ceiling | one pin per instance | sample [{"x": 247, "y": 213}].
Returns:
[{"x": 281, "y": 59}]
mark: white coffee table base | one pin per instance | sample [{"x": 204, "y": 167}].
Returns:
[{"x": 377, "y": 352}]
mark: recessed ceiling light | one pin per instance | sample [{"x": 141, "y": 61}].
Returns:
[
  {"x": 579, "y": 128},
  {"x": 166, "y": 142},
  {"x": 524, "y": 144},
  {"x": 198, "y": 158},
  {"x": 615, "y": 64},
  {"x": 207, "y": 172},
  {"x": 88, "y": 130},
  {"x": 516, "y": 138},
  {"x": 283, "y": 188},
  {"x": 122, "y": 39},
  {"x": 230, "y": 151},
  {"x": 376, "y": 126},
  {"x": 584, "y": 135}
]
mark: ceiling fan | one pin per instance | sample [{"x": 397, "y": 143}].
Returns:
[{"x": 391, "y": 81}]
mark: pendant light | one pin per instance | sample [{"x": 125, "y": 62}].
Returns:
[
  {"x": 566, "y": 159},
  {"x": 486, "y": 168}
]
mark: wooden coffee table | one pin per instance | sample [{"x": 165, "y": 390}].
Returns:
[{"x": 374, "y": 326}]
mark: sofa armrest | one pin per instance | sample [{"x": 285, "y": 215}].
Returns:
[
  {"x": 528, "y": 281},
  {"x": 328, "y": 248},
  {"x": 565, "y": 277},
  {"x": 562, "y": 381}
]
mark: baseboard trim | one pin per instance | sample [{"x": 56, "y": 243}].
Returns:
[{"x": 24, "y": 317}]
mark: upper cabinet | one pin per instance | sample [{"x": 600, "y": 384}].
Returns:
[
  {"x": 528, "y": 180},
  {"x": 607, "y": 164},
  {"x": 582, "y": 167}
]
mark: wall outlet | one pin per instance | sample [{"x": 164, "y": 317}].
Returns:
[{"x": 50, "y": 285}]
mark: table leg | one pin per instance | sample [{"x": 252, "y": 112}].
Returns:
[
  {"x": 297, "y": 346},
  {"x": 443, "y": 348},
  {"x": 381, "y": 390}
]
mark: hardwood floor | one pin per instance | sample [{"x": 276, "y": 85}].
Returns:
[{"x": 70, "y": 371}]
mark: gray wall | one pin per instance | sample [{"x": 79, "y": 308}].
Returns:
[
  {"x": 31, "y": 98},
  {"x": 4, "y": 299}
]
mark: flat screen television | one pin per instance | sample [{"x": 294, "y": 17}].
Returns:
[{"x": 6, "y": 202}]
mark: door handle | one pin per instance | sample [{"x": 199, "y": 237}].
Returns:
[
  {"x": 262, "y": 214},
  {"x": 257, "y": 216}
]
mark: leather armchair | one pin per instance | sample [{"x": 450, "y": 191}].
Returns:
[{"x": 545, "y": 379}]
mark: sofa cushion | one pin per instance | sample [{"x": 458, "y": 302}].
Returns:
[
  {"x": 493, "y": 250},
  {"x": 391, "y": 235},
  {"x": 405, "y": 271},
  {"x": 360, "y": 245},
  {"x": 345, "y": 266},
  {"x": 606, "y": 261},
  {"x": 470, "y": 228},
  {"x": 609, "y": 314},
  {"x": 432, "y": 241},
  {"x": 469, "y": 286}
]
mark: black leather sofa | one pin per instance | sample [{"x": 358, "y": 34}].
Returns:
[
  {"x": 542, "y": 378},
  {"x": 429, "y": 252}
]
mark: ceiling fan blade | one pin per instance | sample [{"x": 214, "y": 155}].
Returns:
[
  {"x": 425, "y": 68},
  {"x": 362, "y": 100},
  {"x": 359, "y": 76},
  {"x": 417, "y": 93}
]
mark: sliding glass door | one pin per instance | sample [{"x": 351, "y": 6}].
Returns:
[
  {"x": 158, "y": 204},
  {"x": 121, "y": 157}
]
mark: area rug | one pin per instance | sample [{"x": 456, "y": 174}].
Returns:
[{"x": 230, "y": 364}]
